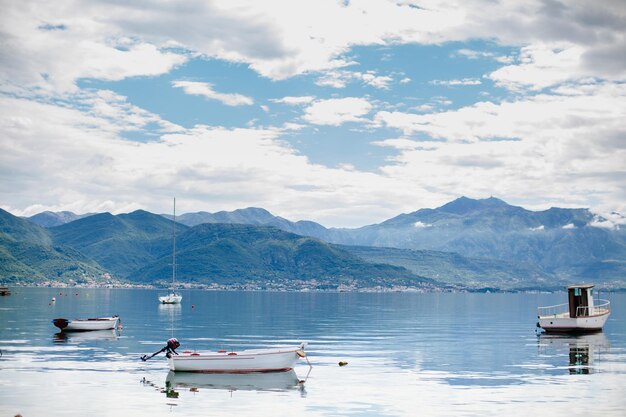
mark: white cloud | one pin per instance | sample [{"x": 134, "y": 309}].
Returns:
[
  {"x": 613, "y": 221},
  {"x": 473, "y": 54},
  {"x": 88, "y": 167},
  {"x": 339, "y": 79},
  {"x": 45, "y": 46},
  {"x": 464, "y": 81},
  {"x": 337, "y": 111},
  {"x": 569, "y": 149},
  {"x": 293, "y": 101},
  {"x": 541, "y": 116},
  {"x": 206, "y": 90},
  {"x": 565, "y": 145},
  {"x": 70, "y": 39},
  {"x": 569, "y": 226},
  {"x": 421, "y": 225},
  {"x": 542, "y": 66},
  {"x": 538, "y": 228}
]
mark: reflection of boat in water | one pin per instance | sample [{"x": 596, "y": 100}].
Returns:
[
  {"x": 584, "y": 350},
  {"x": 84, "y": 325},
  {"x": 581, "y": 314},
  {"x": 110, "y": 334},
  {"x": 277, "y": 381}
]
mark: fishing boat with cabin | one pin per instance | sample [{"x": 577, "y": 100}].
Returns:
[{"x": 580, "y": 314}]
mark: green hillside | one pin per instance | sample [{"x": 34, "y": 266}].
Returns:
[
  {"x": 121, "y": 244},
  {"x": 452, "y": 268},
  {"x": 228, "y": 254},
  {"x": 27, "y": 255}
]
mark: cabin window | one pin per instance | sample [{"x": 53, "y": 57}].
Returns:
[
  {"x": 577, "y": 292},
  {"x": 591, "y": 291}
]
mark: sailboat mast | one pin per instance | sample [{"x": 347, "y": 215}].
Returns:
[{"x": 174, "y": 248}]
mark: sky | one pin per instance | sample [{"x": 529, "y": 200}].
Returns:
[{"x": 346, "y": 113}]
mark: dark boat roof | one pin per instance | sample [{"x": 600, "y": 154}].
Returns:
[{"x": 569, "y": 287}]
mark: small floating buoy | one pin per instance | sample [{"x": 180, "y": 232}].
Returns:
[
  {"x": 60, "y": 293},
  {"x": 53, "y": 299},
  {"x": 343, "y": 363},
  {"x": 193, "y": 306}
]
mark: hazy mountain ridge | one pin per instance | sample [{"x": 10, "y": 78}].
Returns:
[
  {"x": 138, "y": 248},
  {"x": 567, "y": 244},
  {"x": 51, "y": 218},
  {"x": 516, "y": 247}
]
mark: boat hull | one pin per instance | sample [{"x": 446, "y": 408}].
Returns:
[
  {"x": 170, "y": 299},
  {"x": 247, "y": 361},
  {"x": 556, "y": 324},
  {"x": 85, "y": 325}
]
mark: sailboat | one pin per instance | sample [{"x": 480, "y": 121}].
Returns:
[{"x": 172, "y": 296}]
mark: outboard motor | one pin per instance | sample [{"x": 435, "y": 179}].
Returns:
[
  {"x": 170, "y": 347},
  {"x": 61, "y": 323}
]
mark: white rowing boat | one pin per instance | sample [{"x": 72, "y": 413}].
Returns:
[
  {"x": 245, "y": 361},
  {"x": 84, "y": 325}
]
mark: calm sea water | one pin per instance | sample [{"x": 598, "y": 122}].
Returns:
[{"x": 408, "y": 354}]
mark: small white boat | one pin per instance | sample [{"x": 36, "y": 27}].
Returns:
[
  {"x": 581, "y": 314},
  {"x": 172, "y": 297},
  {"x": 245, "y": 361},
  {"x": 84, "y": 325}
]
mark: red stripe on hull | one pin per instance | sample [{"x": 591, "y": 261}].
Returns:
[{"x": 242, "y": 371}]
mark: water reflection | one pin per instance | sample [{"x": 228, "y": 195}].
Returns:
[
  {"x": 271, "y": 381},
  {"x": 64, "y": 337},
  {"x": 584, "y": 351}
]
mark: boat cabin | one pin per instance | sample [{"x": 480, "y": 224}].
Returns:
[{"x": 580, "y": 300}]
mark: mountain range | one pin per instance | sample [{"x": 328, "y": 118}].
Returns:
[
  {"x": 137, "y": 247},
  {"x": 468, "y": 243}
]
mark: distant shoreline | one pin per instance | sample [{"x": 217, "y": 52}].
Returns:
[{"x": 248, "y": 288}]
